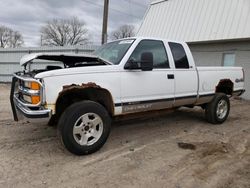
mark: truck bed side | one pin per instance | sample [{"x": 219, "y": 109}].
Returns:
[{"x": 210, "y": 79}]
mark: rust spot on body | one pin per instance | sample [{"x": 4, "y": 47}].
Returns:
[
  {"x": 83, "y": 86},
  {"x": 86, "y": 91},
  {"x": 87, "y": 85}
]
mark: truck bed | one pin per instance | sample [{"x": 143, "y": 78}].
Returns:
[{"x": 209, "y": 77}]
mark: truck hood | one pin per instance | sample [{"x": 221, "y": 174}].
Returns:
[
  {"x": 101, "y": 69},
  {"x": 67, "y": 59}
]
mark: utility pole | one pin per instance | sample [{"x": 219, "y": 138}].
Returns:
[{"x": 105, "y": 22}]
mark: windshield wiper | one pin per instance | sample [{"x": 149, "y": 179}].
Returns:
[{"x": 104, "y": 61}]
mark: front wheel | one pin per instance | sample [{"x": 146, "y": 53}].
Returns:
[
  {"x": 218, "y": 109},
  {"x": 84, "y": 127}
]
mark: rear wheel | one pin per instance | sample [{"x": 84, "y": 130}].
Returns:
[
  {"x": 218, "y": 109},
  {"x": 84, "y": 127}
]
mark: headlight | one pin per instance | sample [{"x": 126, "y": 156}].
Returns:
[
  {"x": 27, "y": 98},
  {"x": 32, "y": 85},
  {"x": 31, "y": 99},
  {"x": 31, "y": 92}
]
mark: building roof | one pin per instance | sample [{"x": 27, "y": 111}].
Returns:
[{"x": 197, "y": 20}]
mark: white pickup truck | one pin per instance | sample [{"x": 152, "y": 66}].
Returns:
[{"x": 126, "y": 76}]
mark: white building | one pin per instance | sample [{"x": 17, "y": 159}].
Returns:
[
  {"x": 10, "y": 57},
  {"x": 217, "y": 31}
]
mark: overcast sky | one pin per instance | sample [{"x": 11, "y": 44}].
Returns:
[{"x": 27, "y": 16}]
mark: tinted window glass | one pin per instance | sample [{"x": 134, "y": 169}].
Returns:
[
  {"x": 157, "y": 48},
  {"x": 179, "y": 55}
]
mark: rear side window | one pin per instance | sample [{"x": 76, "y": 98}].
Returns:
[{"x": 179, "y": 55}]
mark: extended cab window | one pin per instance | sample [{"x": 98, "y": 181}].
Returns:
[
  {"x": 160, "y": 59},
  {"x": 179, "y": 55}
]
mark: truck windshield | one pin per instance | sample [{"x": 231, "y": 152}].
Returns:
[{"x": 113, "y": 52}]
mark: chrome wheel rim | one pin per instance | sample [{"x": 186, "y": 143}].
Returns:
[
  {"x": 88, "y": 129},
  {"x": 222, "y": 109}
]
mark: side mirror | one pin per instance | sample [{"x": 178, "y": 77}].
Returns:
[{"x": 147, "y": 61}]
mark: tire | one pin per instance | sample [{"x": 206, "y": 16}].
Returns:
[
  {"x": 218, "y": 109},
  {"x": 84, "y": 127}
]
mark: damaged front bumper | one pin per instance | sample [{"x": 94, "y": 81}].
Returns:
[{"x": 19, "y": 105}]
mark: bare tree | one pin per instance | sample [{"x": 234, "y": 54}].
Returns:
[
  {"x": 10, "y": 38},
  {"x": 123, "y": 32},
  {"x": 62, "y": 32}
]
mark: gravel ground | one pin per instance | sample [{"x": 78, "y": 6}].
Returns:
[{"x": 138, "y": 153}]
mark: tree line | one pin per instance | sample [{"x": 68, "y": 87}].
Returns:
[{"x": 60, "y": 32}]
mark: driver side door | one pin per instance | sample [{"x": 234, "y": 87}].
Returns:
[{"x": 148, "y": 90}]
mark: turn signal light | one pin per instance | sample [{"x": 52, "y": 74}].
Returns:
[
  {"x": 32, "y": 99},
  {"x": 34, "y": 86},
  {"x": 35, "y": 99}
]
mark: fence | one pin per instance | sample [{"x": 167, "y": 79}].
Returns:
[{"x": 10, "y": 57}]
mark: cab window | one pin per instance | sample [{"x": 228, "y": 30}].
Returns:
[
  {"x": 157, "y": 48},
  {"x": 179, "y": 55}
]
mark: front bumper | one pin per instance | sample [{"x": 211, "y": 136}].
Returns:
[{"x": 19, "y": 106}]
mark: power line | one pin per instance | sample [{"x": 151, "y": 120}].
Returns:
[
  {"x": 90, "y": 2},
  {"x": 113, "y": 9},
  {"x": 135, "y": 3}
]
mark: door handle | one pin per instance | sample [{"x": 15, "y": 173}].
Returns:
[{"x": 170, "y": 76}]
